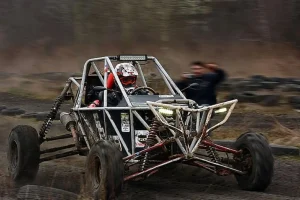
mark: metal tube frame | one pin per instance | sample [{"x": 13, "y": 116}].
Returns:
[
  {"x": 141, "y": 74},
  {"x": 57, "y": 149},
  {"x": 132, "y": 110},
  {"x": 201, "y": 129},
  {"x": 203, "y": 115}
]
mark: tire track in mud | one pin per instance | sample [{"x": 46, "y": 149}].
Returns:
[
  {"x": 194, "y": 183},
  {"x": 182, "y": 182}
]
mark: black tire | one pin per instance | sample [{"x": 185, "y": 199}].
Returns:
[
  {"x": 106, "y": 157},
  {"x": 23, "y": 153},
  {"x": 41, "y": 116},
  {"x": 12, "y": 112},
  {"x": 32, "y": 192},
  {"x": 294, "y": 100},
  {"x": 269, "y": 85},
  {"x": 245, "y": 97},
  {"x": 28, "y": 115},
  {"x": 2, "y": 107},
  {"x": 258, "y": 78},
  {"x": 270, "y": 100},
  {"x": 256, "y": 148},
  {"x": 248, "y": 97}
]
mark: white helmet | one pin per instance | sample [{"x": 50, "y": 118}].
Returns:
[
  {"x": 128, "y": 75},
  {"x": 126, "y": 69}
]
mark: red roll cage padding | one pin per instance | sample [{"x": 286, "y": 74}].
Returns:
[{"x": 110, "y": 81}]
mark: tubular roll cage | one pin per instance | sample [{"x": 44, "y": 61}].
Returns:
[{"x": 132, "y": 109}]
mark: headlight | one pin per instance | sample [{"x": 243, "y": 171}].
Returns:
[
  {"x": 221, "y": 110},
  {"x": 166, "y": 112},
  {"x": 132, "y": 57}
]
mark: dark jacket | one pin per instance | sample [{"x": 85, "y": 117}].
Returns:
[{"x": 206, "y": 93}]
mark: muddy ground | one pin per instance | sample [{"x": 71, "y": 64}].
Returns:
[{"x": 178, "y": 184}]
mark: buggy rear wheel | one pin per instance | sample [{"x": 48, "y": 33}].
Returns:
[
  {"x": 105, "y": 171},
  {"x": 23, "y": 153},
  {"x": 257, "y": 159}
]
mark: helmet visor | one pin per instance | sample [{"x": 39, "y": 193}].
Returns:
[{"x": 128, "y": 80}]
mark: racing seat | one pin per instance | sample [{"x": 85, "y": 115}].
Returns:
[{"x": 91, "y": 95}]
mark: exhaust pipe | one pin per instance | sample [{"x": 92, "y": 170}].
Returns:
[{"x": 67, "y": 120}]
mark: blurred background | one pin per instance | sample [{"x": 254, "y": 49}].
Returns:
[
  {"x": 257, "y": 42},
  {"x": 244, "y": 36}
]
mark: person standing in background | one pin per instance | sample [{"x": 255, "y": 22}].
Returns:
[{"x": 208, "y": 76}]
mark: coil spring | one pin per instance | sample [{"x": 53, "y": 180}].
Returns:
[
  {"x": 151, "y": 140},
  {"x": 52, "y": 114},
  {"x": 212, "y": 153}
]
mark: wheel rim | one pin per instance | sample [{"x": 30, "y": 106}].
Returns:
[
  {"x": 14, "y": 156},
  {"x": 245, "y": 162},
  {"x": 97, "y": 172}
]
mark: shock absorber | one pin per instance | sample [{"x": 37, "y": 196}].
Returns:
[
  {"x": 50, "y": 117},
  {"x": 212, "y": 153},
  {"x": 151, "y": 140}
]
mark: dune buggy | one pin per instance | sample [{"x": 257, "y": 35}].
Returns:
[{"x": 143, "y": 133}]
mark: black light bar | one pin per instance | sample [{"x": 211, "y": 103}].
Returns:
[{"x": 134, "y": 57}]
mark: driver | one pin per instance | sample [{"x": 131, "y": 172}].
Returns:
[{"x": 127, "y": 74}]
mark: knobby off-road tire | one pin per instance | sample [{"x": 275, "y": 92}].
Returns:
[
  {"x": 23, "y": 154},
  {"x": 105, "y": 171},
  {"x": 257, "y": 152},
  {"x": 33, "y": 192}
]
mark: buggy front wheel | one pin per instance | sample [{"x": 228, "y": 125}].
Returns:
[
  {"x": 256, "y": 159},
  {"x": 105, "y": 171}
]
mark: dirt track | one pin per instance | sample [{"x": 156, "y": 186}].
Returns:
[{"x": 178, "y": 184}]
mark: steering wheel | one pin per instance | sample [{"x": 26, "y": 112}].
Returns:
[{"x": 135, "y": 91}]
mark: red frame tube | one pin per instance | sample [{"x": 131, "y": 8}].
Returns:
[
  {"x": 175, "y": 158},
  {"x": 193, "y": 163},
  {"x": 147, "y": 150},
  {"x": 220, "y": 147},
  {"x": 153, "y": 168}
]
